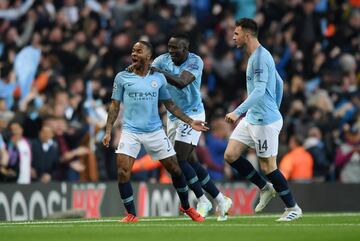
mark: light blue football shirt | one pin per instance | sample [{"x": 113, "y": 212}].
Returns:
[
  {"x": 264, "y": 88},
  {"x": 189, "y": 98},
  {"x": 140, "y": 96}
]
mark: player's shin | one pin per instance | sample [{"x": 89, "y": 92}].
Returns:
[
  {"x": 192, "y": 179},
  {"x": 282, "y": 188},
  {"x": 205, "y": 180},
  {"x": 179, "y": 183},
  {"x": 126, "y": 194},
  {"x": 246, "y": 169}
]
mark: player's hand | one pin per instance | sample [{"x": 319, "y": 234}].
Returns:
[
  {"x": 199, "y": 125},
  {"x": 231, "y": 117},
  {"x": 106, "y": 140},
  {"x": 154, "y": 69}
]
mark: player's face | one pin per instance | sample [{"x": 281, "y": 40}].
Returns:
[
  {"x": 140, "y": 55},
  {"x": 239, "y": 37},
  {"x": 177, "y": 50}
]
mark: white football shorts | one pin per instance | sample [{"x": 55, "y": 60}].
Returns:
[
  {"x": 263, "y": 138},
  {"x": 178, "y": 130},
  {"x": 156, "y": 144}
]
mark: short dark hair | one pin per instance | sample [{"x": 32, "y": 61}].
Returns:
[
  {"x": 182, "y": 36},
  {"x": 299, "y": 139},
  {"x": 248, "y": 24},
  {"x": 148, "y": 45}
]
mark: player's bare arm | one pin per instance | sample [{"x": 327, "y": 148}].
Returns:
[
  {"x": 112, "y": 115},
  {"x": 197, "y": 125},
  {"x": 179, "y": 81}
]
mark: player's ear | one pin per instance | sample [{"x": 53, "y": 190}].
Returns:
[
  {"x": 186, "y": 46},
  {"x": 249, "y": 35}
]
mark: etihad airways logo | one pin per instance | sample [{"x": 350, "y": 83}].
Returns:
[{"x": 142, "y": 95}]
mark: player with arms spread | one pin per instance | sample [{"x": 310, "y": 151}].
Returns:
[
  {"x": 140, "y": 91},
  {"x": 261, "y": 126},
  {"x": 183, "y": 71}
]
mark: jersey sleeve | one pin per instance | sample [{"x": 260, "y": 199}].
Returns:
[
  {"x": 163, "y": 91},
  {"x": 260, "y": 75},
  {"x": 195, "y": 67},
  {"x": 157, "y": 62},
  {"x": 118, "y": 88},
  {"x": 279, "y": 89}
]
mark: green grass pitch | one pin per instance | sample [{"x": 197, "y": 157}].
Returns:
[{"x": 313, "y": 226}]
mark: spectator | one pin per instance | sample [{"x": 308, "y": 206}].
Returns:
[
  {"x": 5, "y": 114},
  {"x": 20, "y": 156},
  {"x": 4, "y": 160},
  {"x": 307, "y": 33},
  {"x": 217, "y": 141},
  {"x": 316, "y": 147},
  {"x": 4, "y": 156},
  {"x": 348, "y": 156},
  {"x": 45, "y": 155},
  {"x": 70, "y": 164},
  {"x": 298, "y": 164},
  {"x": 14, "y": 14}
]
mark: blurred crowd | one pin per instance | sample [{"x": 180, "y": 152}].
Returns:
[{"x": 58, "y": 59}]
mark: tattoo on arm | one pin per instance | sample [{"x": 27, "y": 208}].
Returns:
[
  {"x": 175, "y": 110},
  {"x": 112, "y": 115}
]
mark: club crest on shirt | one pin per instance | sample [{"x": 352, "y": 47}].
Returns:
[
  {"x": 154, "y": 84},
  {"x": 193, "y": 66}
]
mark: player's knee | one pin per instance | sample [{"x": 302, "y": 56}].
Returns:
[
  {"x": 229, "y": 157},
  {"x": 182, "y": 156},
  {"x": 123, "y": 175},
  {"x": 264, "y": 169},
  {"x": 267, "y": 166},
  {"x": 192, "y": 159},
  {"x": 175, "y": 171},
  {"x": 172, "y": 167}
]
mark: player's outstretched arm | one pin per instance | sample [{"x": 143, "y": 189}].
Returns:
[
  {"x": 197, "y": 125},
  {"x": 179, "y": 81},
  {"x": 112, "y": 115}
]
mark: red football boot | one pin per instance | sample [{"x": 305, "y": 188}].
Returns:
[
  {"x": 130, "y": 218},
  {"x": 193, "y": 214}
]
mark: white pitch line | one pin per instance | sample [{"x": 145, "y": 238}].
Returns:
[
  {"x": 85, "y": 221},
  {"x": 197, "y": 225}
]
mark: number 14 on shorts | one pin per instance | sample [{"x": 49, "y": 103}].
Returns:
[{"x": 262, "y": 145}]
